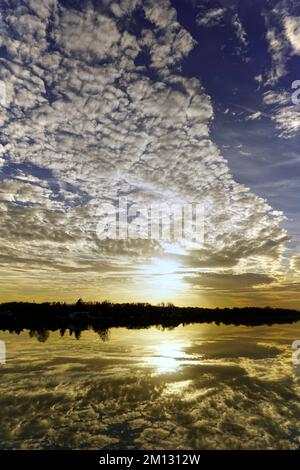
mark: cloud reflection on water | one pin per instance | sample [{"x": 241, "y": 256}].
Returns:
[{"x": 195, "y": 387}]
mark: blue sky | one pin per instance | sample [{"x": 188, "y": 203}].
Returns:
[{"x": 258, "y": 156}]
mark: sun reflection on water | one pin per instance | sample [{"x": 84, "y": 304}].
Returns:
[{"x": 168, "y": 356}]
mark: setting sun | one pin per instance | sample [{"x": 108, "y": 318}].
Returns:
[{"x": 164, "y": 281}]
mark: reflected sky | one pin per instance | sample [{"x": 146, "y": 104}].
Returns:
[{"x": 193, "y": 387}]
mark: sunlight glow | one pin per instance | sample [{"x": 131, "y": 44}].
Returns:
[
  {"x": 167, "y": 357},
  {"x": 161, "y": 266},
  {"x": 163, "y": 280}
]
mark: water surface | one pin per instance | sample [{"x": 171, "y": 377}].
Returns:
[{"x": 200, "y": 386}]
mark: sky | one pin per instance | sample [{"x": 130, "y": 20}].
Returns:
[{"x": 176, "y": 102}]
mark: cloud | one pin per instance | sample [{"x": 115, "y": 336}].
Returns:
[
  {"x": 211, "y": 17},
  {"x": 295, "y": 263},
  {"x": 254, "y": 116},
  {"x": 240, "y": 30},
  {"x": 216, "y": 16},
  {"x": 228, "y": 281},
  {"x": 292, "y": 31},
  {"x": 282, "y": 36},
  {"x": 87, "y": 122},
  {"x": 285, "y": 114},
  {"x": 258, "y": 78},
  {"x": 278, "y": 50}
]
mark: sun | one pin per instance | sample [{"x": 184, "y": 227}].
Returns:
[
  {"x": 162, "y": 280},
  {"x": 161, "y": 266}
]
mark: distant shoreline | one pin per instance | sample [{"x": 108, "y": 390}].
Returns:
[{"x": 81, "y": 315}]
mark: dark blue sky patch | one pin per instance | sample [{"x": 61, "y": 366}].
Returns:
[
  {"x": 257, "y": 156},
  {"x": 15, "y": 171}
]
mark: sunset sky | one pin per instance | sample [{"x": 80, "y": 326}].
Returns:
[{"x": 161, "y": 102}]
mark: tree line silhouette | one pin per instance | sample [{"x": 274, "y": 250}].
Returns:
[{"x": 41, "y": 318}]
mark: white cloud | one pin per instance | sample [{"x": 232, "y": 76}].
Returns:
[
  {"x": 283, "y": 38},
  {"x": 240, "y": 30},
  {"x": 278, "y": 51},
  {"x": 211, "y": 17},
  {"x": 93, "y": 126},
  {"x": 285, "y": 114},
  {"x": 292, "y": 31},
  {"x": 98, "y": 38},
  {"x": 254, "y": 116}
]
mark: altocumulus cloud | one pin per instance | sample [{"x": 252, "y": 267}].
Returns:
[{"x": 97, "y": 108}]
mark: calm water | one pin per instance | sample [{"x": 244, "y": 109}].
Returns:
[{"x": 193, "y": 387}]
